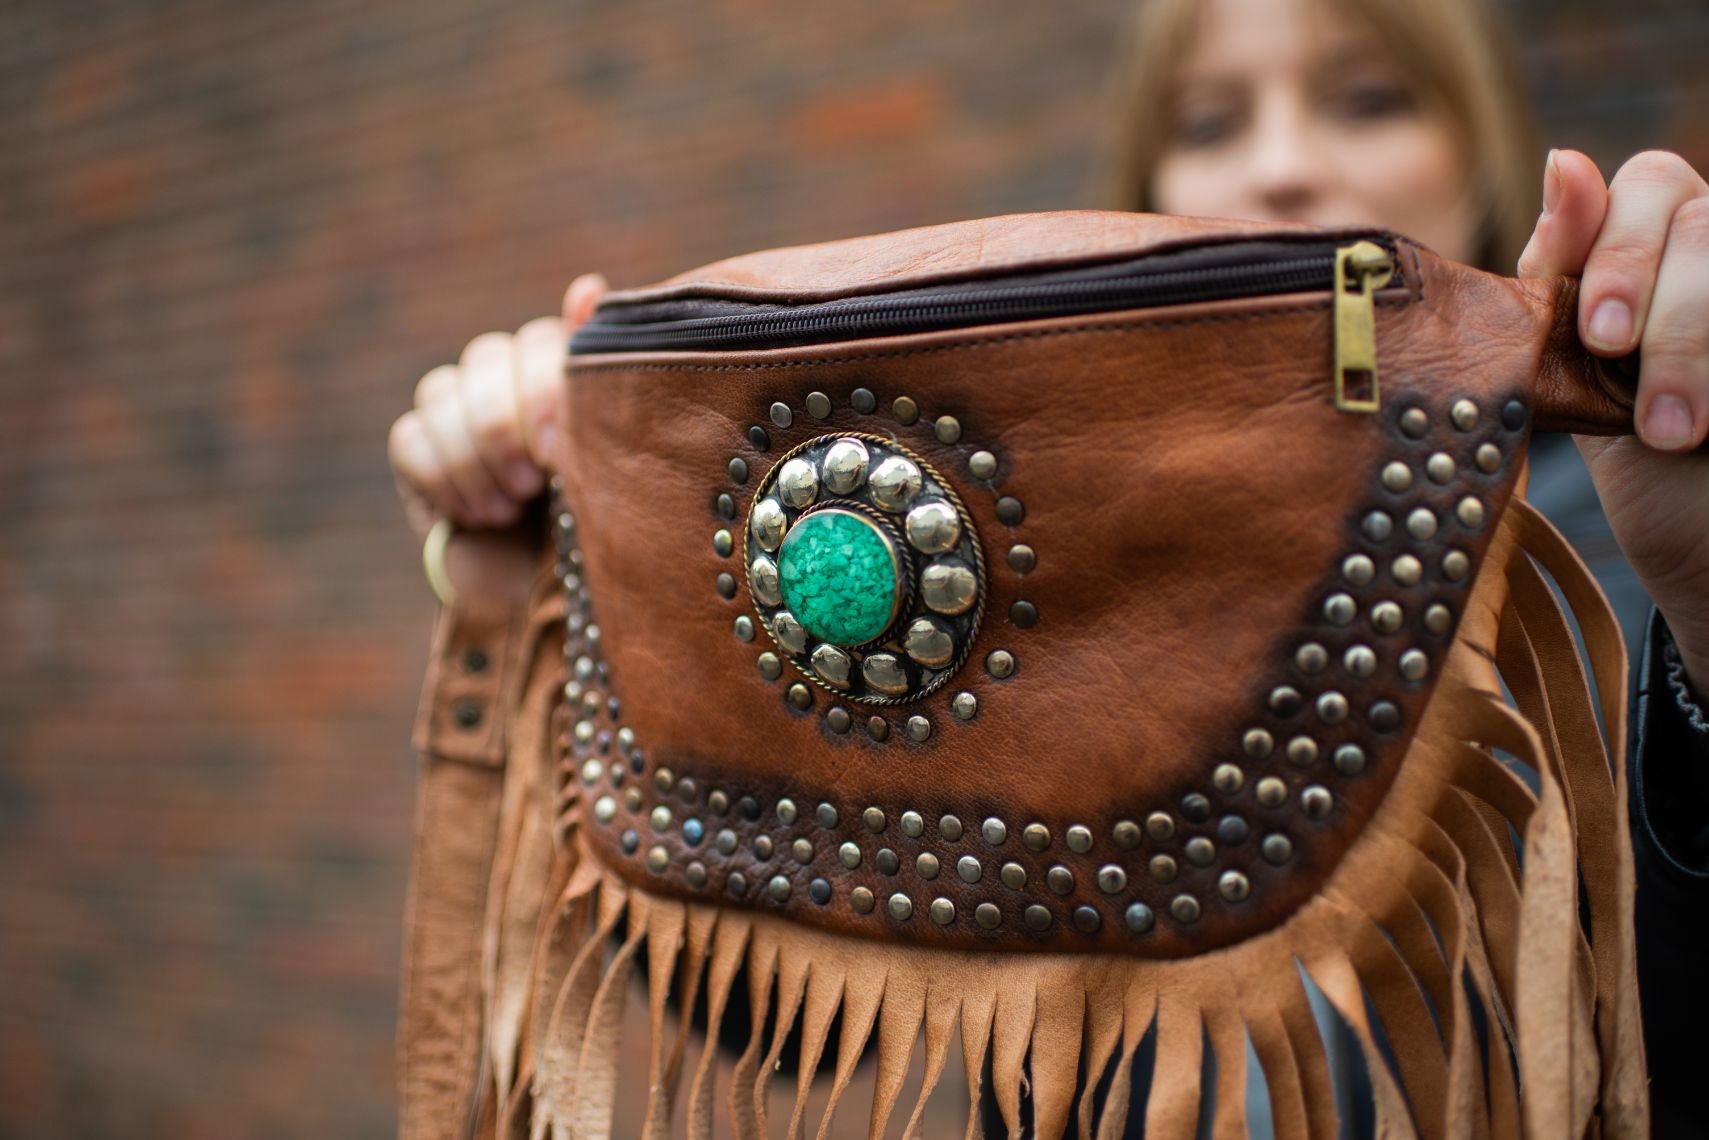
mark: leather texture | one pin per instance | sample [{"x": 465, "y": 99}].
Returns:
[{"x": 1192, "y": 498}]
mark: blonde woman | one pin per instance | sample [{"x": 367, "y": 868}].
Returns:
[{"x": 1388, "y": 113}]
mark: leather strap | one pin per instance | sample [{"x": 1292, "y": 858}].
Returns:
[{"x": 475, "y": 671}]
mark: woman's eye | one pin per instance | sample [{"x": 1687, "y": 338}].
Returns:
[
  {"x": 1371, "y": 100},
  {"x": 1203, "y": 126}
]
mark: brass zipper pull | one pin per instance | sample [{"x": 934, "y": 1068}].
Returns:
[{"x": 1360, "y": 270}]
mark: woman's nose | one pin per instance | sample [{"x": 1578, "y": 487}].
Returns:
[{"x": 1286, "y": 179}]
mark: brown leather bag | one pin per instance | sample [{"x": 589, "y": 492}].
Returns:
[{"x": 1054, "y": 630}]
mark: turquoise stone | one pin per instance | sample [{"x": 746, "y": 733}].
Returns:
[{"x": 839, "y": 575}]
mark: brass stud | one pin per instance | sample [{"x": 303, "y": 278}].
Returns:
[
  {"x": 943, "y": 911},
  {"x": 905, "y": 410},
  {"x": 1285, "y": 700},
  {"x": 657, "y": 859},
  {"x": 1397, "y": 477},
  {"x": 1228, "y": 778},
  {"x": 950, "y": 828},
  {"x": 1163, "y": 868},
  {"x": 1231, "y": 829},
  {"x": 1456, "y": 564},
  {"x": 1386, "y": 617},
  {"x": 802, "y": 849},
  {"x": 968, "y": 869},
  {"x": 1139, "y": 918},
  {"x": 926, "y": 865},
  {"x": 797, "y": 483},
  {"x": 1421, "y": 524},
  {"x": 1438, "y": 618},
  {"x": 1414, "y": 665},
  {"x": 800, "y": 695},
  {"x": 762, "y": 577},
  {"x": 1440, "y": 467},
  {"x": 604, "y": 808},
  {"x": 947, "y": 429},
  {"x": 1079, "y": 839},
  {"x": 763, "y": 847},
  {"x": 1234, "y": 886},
  {"x": 1185, "y": 908},
  {"x": 1316, "y": 801},
  {"x": 1010, "y": 511},
  {"x": 1059, "y": 879},
  {"x": 1111, "y": 878},
  {"x": 873, "y": 817},
  {"x": 1000, "y": 663},
  {"x": 982, "y": 464},
  {"x": 828, "y": 816},
  {"x": 725, "y": 841},
  {"x": 1415, "y": 422},
  {"x": 819, "y": 890},
  {"x": 994, "y": 831},
  {"x": 738, "y": 470},
  {"x": 838, "y": 720},
  {"x": 1385, "y": 716},
  {"x": 791, "y": 635},
  {"x": 781, "y": 415},
  {"x": 1488, "y": 458},
  {"x": 1160, "y": 825},
  {"x": 1349, "y": 759},
  {"x": 887, "y": 861},
  {"x": 695, "y": 873},
  {"x": 832, "y": 665},
  {"x": 787, "y": 812},
  {"x": 744, "y": 628},
  {"x": 1201, "y": 852},
  {"x": 863, "y": 401},
  {"x": 1360, "y": 660},
  {"x": 778, "y": 888},
  {"x": 987, "y": 916},
  {"x": 1340, "y": 609},
  {"x": 919, "y": 728},
  {"x": 1257, "y": 743},
  {"x": 1126, "y": 834},
  {"x": 660, "y": 818},
  {"x": 1022, "y": 559},
  {"x": 760, "y": 439},
  {"x": 964, "y": 705},
  {"x": 1277, "y": 848},
  {"x": 932, "y": 527},
  {"x": 1358, "y": 569},
  {"x": 1332, "y": 708},
  {"x": 1014, "y": 876},
  {"x": 1037, "y": 918},
  {"x": 900, "y": 906},
  {"x": 913, "y": 826},
  {"x": 1302, "y": 751},
  {"x": 1024, "y": 614},
  {"x": 818, "y": 405},
  {"x": 1377, "y": 526},
  {"x": 878, "y": 728},
  {"x": 1087, "y": 920},
  {"x": 862, "y": 899},
  {"x": 1036, "y": 836},
  {"x": 592, "y": 769},
  {"x": 1311, "y": 658},
  {"x": 737, "y": 884},
  {"x": 1464, "y": 413},
  {"x": 726, "y": 583},
  {"x": 1196, "y": 807},
  {"x": 1470, "y": 512},
  {"x": 1272, "y": 792},
  {"x": 849, "y": 855},
  {"x": 929, "y": 642},
  {"x": 1407, "y": 570},
  {"x": 723, "y": 543},
  {"x": 726, "y": 505}
]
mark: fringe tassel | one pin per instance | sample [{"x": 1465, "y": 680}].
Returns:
[{"x": 1455, "y": 956}]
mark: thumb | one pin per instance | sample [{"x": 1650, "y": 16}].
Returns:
[
  {"x": 583, "y": 294},
  {"x": 1575, "y": 200}
]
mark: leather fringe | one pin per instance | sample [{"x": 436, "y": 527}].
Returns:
[{"x": 1448, "y": 941}]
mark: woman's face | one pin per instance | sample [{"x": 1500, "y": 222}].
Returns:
[{"x": 1286, "y": 110}]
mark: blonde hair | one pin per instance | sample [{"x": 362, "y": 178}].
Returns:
[{"x": 1456, "y": 51}]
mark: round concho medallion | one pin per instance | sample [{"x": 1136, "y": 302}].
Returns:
[{"x": 865, "y": 568}]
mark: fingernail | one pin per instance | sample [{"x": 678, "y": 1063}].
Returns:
[
  {"x": 548, "y": 442},
  {"x": 523, "y": 476},
  {"x": 1551, "y": 184},
  {"x": 1667, "y": 425},
  {"x": 1611, "y": 326},
  {"x": 500, "y": 507}
]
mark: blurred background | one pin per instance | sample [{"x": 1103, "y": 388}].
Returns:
[{"x": 231, "y": 238}]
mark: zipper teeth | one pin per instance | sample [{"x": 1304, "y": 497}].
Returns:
[{"x": 854, "y": 317}]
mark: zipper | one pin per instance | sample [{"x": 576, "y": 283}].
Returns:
[{"x": 1228, "y": 271}]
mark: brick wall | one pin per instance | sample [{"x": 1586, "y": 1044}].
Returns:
[{"x": 231, "y": 236}]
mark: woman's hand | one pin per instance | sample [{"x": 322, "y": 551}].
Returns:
[
  {"x": 1641, "y": 246},
  {"x": 482, "y": 432}
]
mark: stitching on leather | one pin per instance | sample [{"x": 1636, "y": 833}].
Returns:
[{"x": 1005, "y": 338}]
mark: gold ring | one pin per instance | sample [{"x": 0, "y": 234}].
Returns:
[{"x": 433, "y": 561}]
